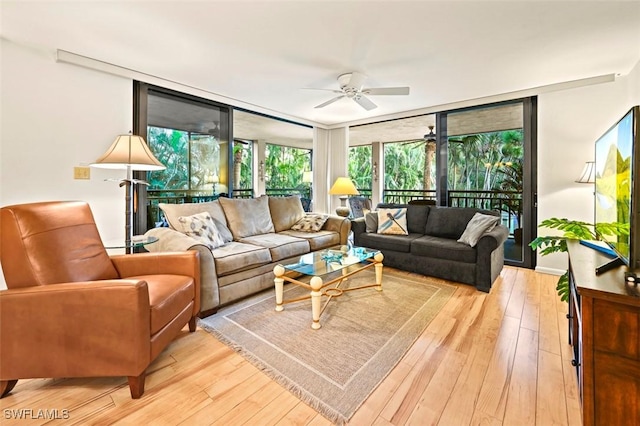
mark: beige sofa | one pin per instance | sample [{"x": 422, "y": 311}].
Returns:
[{"x": 258, "y": 237}]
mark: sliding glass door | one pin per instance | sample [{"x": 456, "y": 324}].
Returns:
[{"x": 487, "y": 160}]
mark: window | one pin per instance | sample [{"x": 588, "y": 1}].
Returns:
[{"x": 283, "y": 170}]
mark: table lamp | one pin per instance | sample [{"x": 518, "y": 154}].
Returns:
[
  {"x": 129, "y": 152},
  {"x": 344, "y": 187}
]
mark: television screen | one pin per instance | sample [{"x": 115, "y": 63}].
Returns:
[{"x": 614, "y": 190}]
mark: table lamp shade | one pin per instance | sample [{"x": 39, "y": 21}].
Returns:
[
  {"x": 343, "y": 186},
  {"x": 129, "y": 150}
]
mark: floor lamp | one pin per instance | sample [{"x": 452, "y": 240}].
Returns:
[{"x": 129, "y": 152}]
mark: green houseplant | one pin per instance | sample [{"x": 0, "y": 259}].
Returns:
[{"x": 572, "y": 230}]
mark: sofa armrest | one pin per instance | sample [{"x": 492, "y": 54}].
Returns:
[
  {"x": 490, "y": 257},
  {"x": 170, "y": 240},
  {"x": 338, "y": 224},
  {"x": 493, "y": 239},
  {"x": 76, "y": 329},
  {"x": 358, "y": 226}
]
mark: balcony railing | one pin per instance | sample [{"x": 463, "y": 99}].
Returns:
[
  {"x": 171, "y": 196},
  {"x": 403, "y": 196}
]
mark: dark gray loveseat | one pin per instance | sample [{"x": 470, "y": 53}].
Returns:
[{"x": 431, "y": 248}]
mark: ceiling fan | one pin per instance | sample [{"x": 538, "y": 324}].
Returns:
[{"x": 351, "y": 86}]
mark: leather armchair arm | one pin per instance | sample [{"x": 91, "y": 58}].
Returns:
[
  {"x": 100, "y": 328},
  {"x": 176, "y": 263},
  {"x": 185, "y": 263},
  {"x": 172, "y": 240}
]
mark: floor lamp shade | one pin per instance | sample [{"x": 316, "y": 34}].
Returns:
[{"x": 129, "y": 152}]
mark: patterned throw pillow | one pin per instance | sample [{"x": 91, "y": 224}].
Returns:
[
  {"x": 392, "y": 221},
  {"x": 477, "y": 227},
  {"x": 201, "y": 227},
  {"x": 310, "y": 223}
]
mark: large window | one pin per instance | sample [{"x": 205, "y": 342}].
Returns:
[
  {"x": 361, "y": 169},
  {"x": 190, "y": 136},
  {"x": 283, "y": 170}
]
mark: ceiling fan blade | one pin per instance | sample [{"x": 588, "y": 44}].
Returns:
[
  {"x": 330, "y": 101},
  {"x": 357, "y": 80},
  {"x": 375, "y": 91},
  {"x": 365, "y": 102},
  {"x": 324, "y": 90}
]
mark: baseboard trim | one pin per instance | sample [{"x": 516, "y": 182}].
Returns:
[{"x": 550, "y": 271}]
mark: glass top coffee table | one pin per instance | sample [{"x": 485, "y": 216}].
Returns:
[{"x": 321, "y": 263}]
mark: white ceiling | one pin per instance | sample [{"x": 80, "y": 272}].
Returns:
[{"x": 266, "y": 52}]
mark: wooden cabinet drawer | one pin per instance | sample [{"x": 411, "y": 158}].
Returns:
[
  {"x": 616, "y": 329},
  {"x": 617, "y": 386}
]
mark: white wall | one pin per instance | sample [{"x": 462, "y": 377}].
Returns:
[
  {"x": 54, "y": 117},
  {"x": 569, "y": 122}
]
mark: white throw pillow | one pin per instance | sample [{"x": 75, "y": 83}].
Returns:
[
  {"x": 392, "y": 221},
  {"x": 201, "y": 227},
  {"x": 477, "y": 227}
]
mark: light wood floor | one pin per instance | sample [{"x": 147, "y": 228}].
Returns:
[{"x": 494, "y": 359}]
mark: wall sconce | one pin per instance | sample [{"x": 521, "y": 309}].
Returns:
[
  {"x": 261, "y": 171},
  {"x": 375, "y": 171},
  {"x": 588, "y": 174}
]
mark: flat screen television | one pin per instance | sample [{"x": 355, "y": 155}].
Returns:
[{"x": 617, "y": 188}]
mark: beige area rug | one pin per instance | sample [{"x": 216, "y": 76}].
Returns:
[{"x": 334, "y": 369}]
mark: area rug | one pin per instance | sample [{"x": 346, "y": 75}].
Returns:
[{"x": 334, "y": 369}]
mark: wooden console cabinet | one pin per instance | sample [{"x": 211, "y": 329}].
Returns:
[{"x": 604, "y": 330}]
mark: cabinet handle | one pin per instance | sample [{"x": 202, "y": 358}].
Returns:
[
  {"x": 575, "y": 363},
  {"x": 569, "y": 316}
]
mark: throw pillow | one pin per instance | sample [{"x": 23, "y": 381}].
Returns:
[
  {"x": 477, "y": 227},
  {"x": 310, "y": 223},
  {"x": 201, "y": 227},
  {"x": 285, "y": 211},
  {"x": 173, "y": 211},
  {"x": 226, "y": 234},
  {"x": 247, "y": 217},
  {"x": 371, "y": 222},
  {"x": 392, "y": 221}
]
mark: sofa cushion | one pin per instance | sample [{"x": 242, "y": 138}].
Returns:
[
  {"x": 371, "y": 222},
  {"x": 477, "y": 227},
  {"x": 236, "y": 256},
  {"x": 310, "y": 223},
  {"x": 281, "y": 246},
  {"x": 400, "y": 243},
  {"x": 201, "y": 227},
  {"x": 247, "y": 217},
  {"x": 285, "y": 211},
  {"x": 317, "y": 240},
  {"x": 443, "y": 248},
  {"x": 417, "y": 218},
  {"x": 449, "y": 222},
  {"x": 173, "y": 211},
  {"x": 392, "y": 221}
]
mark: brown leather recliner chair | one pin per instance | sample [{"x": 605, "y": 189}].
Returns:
[{"x": 71, "y": 310}]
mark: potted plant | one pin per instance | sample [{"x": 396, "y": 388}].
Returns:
[{"x": 572, "y": 230}]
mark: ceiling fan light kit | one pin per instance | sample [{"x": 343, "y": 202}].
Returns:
[{"x": 351, "y": 86}]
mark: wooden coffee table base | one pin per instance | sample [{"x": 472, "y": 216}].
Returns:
[{"x": 319, "y": 289}]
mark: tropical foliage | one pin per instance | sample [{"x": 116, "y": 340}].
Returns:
[
  {"x": 360, "y": 167},
  {"x": 283, "y": 166}
]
